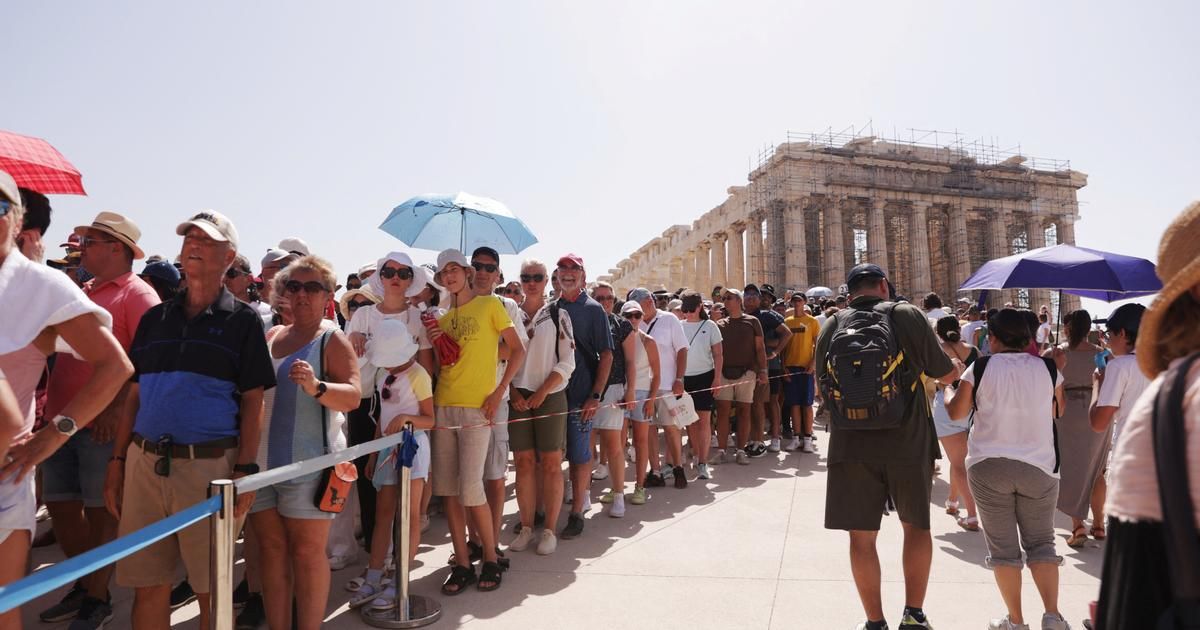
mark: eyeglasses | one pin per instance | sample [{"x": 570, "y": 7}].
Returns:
[
  {"x": 632, "y": 315},
  {"x": 533, "y": 277},
  {"x": 482, "y": 266},
  {"x": 311, "y": 287},
  {"x": 234, "y": 272},
  {"x": 5, "y": 206},
  {"x": 355, "y": 305},
  {"x": 386, "y": 392},
  {"x": 387, "y": 273},
  {"x": 88, "y": 241}
]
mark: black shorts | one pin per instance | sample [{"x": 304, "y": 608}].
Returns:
[
  {"x": 855, "y": 493},
  {"x": 776, "y": 376},
  {"x": 699, "y": 386}
]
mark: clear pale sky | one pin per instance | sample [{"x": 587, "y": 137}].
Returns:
[{"x": 600, "y": 124}]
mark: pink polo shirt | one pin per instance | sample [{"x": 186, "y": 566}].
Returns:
[{"x": 126, "y": 298}]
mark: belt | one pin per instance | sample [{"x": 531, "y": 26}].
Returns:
[{"x": 204, "y": 450}]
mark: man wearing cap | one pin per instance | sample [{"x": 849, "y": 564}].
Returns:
[
  {"x": 744, "y": 369},
  {"x": 767, "y": 397},
  {"x": 798, "y": 384},
  {"x": 672, "y": 346},
  {"x": 73, "y": 478},
  {"x": 193, "y": 414},
  {"x": 867, "y": 468},
  {"x": 593, "y": 361},
  {"x": 1120, "y": 381},
  {"x": 272, "y": 262}
]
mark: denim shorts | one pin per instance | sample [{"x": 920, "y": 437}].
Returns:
[
  {"x": 385, "y": 473},
  {"x": 76, "y": 471},
  {"x": 639, "y": 404},
  {"x": 579, "y": 439},
  {"x": 293, "y": 498}
]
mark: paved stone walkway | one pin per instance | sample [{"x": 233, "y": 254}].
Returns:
[{"x": 744, "y": 550}]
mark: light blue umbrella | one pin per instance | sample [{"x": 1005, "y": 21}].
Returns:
[{"x": 462, "y": 220}]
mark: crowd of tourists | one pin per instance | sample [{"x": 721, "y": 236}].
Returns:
[{"x": 124, "y": 393}]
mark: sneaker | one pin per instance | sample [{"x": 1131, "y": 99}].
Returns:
[
  {"x": 720, "y": 458},
  {"x": 807, "y": 446},
  {"x": 607, "y": 497},
  {"x": 587, "y": 504},
  {"x": 548, "y": 543},
  {"x": 600, "y": 472},
  {"x": 666, "y": 472},
  {"x": 756, "y": 449},
  {"x": 1006, "y": 624},
  {"x": 1051, "y": 621},
  {"x": 521, "y": 542},
  {"x": 42, "y": 513},
  {"x": 618, "y": 507},
  {"x": 654, "y": 481},
  {"x": 93, "y": 615},
  {"x": 183, "y": 595},
  {"x": 253, "y": 616},
  {"x": 574, "y": 527},
  {"x": 680, "y": 478},
  {"x": 337, "y": 563},
  {"x": 742, "y": 458},
  {"x": 67, "y": 607},
  {"x": 702, "y": 472},
  {"x": 241, "y": 593},
  {"x": 568, "y": 492},
  {"x": 791, "y": 444},
  {"x": 909, "y": 622},
  {"x": 731, "y": 442},
  {"x": 774, "y": 446},
  {"x": 639, "y": 496}
]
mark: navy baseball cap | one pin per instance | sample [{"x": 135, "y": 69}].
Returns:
[
  {"x": 863, "y": 271},
  {"x": 1128, "y": 317}
]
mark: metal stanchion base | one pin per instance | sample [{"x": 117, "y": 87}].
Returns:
[{"x": 422, "y": 612}]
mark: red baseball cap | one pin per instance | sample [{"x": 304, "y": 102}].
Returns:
[{"x": 571, "y": 258}]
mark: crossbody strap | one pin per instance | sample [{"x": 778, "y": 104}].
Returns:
[
  {"x": 321, "y": 377},
  {"x": 1170, "y": 461}
]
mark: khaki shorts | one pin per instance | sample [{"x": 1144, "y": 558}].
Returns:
[
  {"x": 148, "y": 498},
  {"x": 460, "y": 448},
  {"x": 741, "y": 390}
]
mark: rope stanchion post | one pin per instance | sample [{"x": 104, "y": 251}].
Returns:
[
  {"x": 410, "y": 611},
  {"x": 224, "y": 530}
]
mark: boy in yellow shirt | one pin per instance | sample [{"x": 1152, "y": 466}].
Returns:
[{"x": 798, "y": 364}]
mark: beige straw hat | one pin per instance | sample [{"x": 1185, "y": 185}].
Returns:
[
  {"x": 1179, "y": 270},
  {"x": 119, "y": 227},
  {"x": 344, "y": 302}
]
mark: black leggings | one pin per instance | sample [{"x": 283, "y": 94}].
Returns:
[{"x": 362, "y": 429}]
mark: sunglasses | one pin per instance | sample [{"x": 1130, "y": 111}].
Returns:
[
  {"x": 482, "y": 266},
  {"x": 632, "y": 316},
  {"x": 311, "y": 287},
  {"x": 533, "y": 277},
  {"x": 234, "y": 272},
  {"x": 606, "y": 298},
  {"x": 354, "y": 306},
  {"x": 88, "y": 241},
  {"x": 387, "y": 273},
  {"x": 386, "y": 392}
]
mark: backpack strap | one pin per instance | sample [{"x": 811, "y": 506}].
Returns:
[
  {"x": 1170, "y": 461},
  {"x": 1053, "y": 367},
  {"x": 554, "y": 309}
]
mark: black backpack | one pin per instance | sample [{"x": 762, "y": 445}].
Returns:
[
  {"x": 861, "y": 381},
  {"x": 978, "y": 367},
  {"x": 1182, "y": 542}
]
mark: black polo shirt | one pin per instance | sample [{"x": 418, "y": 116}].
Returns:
[{"x": 191, "y": 372}]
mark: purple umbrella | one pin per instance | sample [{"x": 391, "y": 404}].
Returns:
[{"x": 1075, "y": 270}]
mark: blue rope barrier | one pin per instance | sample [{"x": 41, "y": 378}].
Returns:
[{"x": 66, "y": 572}]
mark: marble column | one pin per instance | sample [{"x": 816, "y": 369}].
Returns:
[
  {"x": 834, "y": 257},
  {"x": 918, "y": 243},
  {"x": 719, "y": 264},
  {"x": 960, "y": 255},
  {"x": 1001, "y": 247},
  {"x": 775, "y": 250},
  {"x": 754, "y": 243},
  {"x": 1035, "y": 236},
  {"x": 676, "y": 274},
  {"x": 703, "y": 270},
  {"x": 1066, "y": 236},
  {"x": 688, "y": 276},
  {"x": 877, "y": 251},
  {"x": 736, "y": 276},
  {"x": 795, "y": 248}
]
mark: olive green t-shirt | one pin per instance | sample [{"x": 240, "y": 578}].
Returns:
[{"x": 915, "y": 439}]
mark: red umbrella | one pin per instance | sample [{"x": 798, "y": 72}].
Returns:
[{"x": 38, "y": 166}]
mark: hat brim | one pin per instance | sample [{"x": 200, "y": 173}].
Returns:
[
  {"x": 344, "y": 301},
  {"x": 1148, "y": 356},
  {"x": 81, "y": 230},
  {"x": 209, "y": 229}
]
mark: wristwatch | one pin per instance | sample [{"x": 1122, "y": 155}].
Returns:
[
  {"x": 321, "y": 389},
  {"x": 249, "y": 469},
  {"x": 595, "y": 396},
  {"x": 65, "y": 424}
]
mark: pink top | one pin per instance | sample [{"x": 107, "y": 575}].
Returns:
[
  {"x": 126, "y": 298},
  {"x": 1132, "y": 481},
  {"x": 23, "y": 369}
]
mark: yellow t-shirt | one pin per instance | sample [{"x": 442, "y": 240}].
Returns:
[
  {"x": 800, "y": 348},
  {"x": 476, "y": 326}
]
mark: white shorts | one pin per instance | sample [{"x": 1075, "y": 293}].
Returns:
[
  {"x": 18, "y": 507},
  {"x": 609, "y": 416}
]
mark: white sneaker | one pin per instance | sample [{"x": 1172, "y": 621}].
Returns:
[
  {"x": 337, "y": 563},
  {"x": 702, "y": 471},
  {"x": 667, "y": 472},
  {"x": 791, "y": 444},
  {"x": 587, "y": 504},
  {"x": 617, "y": 510},
  {"x": 742, "y": 458},
  {"x": 808, "y": 447},
  {"x": 719, "y": 458},
  {"x": 1006, "y": 624},
  {"x": 521, "y": 543},
  {"x": 600, "y": 472},
  {"x": 731, "y": 442},
  {"x": 774, "y": 446},
  {"x": 547, "y": 544},
  {"x": 1051, "y": 621},
  {"x": 568, "y": 492}
]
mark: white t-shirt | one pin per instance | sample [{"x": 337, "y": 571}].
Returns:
[
  {"x": 368, "y": 318},
  {"x": 1043, "y": 333},
  {"x": 543, "y": 346},
  {"x": 1123, "y": 385},
  {"x": 936, "y": 314},
  {"x": 1015, "y": 416},
  {"x": 667, "y": 331},
  {"x": 701, "y": 337},
  {"x": 969, "y": 328}
]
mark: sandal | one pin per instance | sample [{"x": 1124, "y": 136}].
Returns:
[
  {"x": 1098, "y": 532},
  {"x": 476, "y": 553},
  {"x": 490, "y": 572},
  {"x": 501, "y": 560},
  {"x": 365, "y": 593},
  {"x": 356, "y": 583},
  {"x": 969, "y": 523},
  {"x": 1078, "y": 537},
  {"x": 460, "y": 578},
  {"x": 952, "y": 507}
]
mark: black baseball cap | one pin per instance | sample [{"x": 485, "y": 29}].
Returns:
[
  {"x": 486, "y": 251},
  {"x": 1128, "y": 317},
  {"x": 751, "y": 287},
  {"x": 863, "y": 271},
  {"x": 768, "y": 289}
]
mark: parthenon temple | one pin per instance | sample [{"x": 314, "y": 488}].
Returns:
[{"x": 929, "y": 209}]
